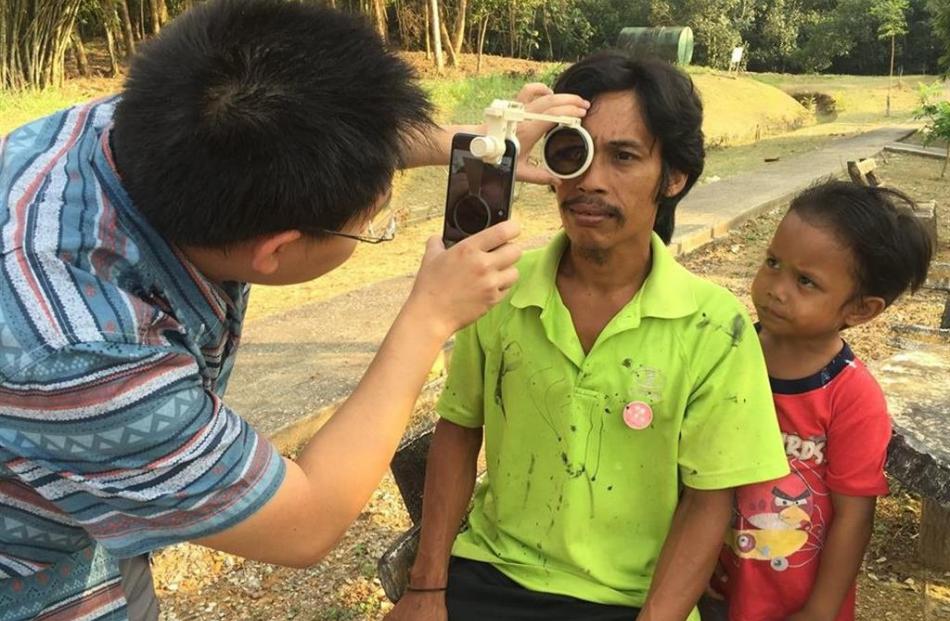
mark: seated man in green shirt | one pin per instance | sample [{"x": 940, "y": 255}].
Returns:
[{"x": 621, "y": 398}]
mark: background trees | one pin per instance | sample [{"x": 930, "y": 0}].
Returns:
[{"x": 779, "y": 35}]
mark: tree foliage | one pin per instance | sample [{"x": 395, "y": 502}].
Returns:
[
  {"x": 779, "y": 35},
  {"x": 936, "y": 112}
]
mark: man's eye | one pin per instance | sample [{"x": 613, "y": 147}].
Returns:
[
  {"x": 570, "y": 155},
  {"x": 626, "y": 156}
]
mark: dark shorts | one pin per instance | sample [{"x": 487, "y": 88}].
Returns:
[
  {"x": 479, "y": 592},
  {"x": 713, "y": 609},
  {"x": 139, "y": 591}
]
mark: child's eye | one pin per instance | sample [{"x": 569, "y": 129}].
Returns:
[
  {"x": 771, "y": 262},
  {"x": 805, "y": 281}
]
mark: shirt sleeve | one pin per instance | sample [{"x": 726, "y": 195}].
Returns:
[
  {"x": 858, "y": 435},
  {"x": 125, "y": 440},
  {"x": 730, "y": 434},
  {"x": 461, "y": 401}
]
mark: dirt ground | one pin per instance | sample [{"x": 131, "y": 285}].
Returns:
[{"x": 195, "y": 583}]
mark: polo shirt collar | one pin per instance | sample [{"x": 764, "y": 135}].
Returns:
[{"x": 666, "y": 293}]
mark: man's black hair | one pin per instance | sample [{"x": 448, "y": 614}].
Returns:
[
  {"x": 671, "y": 108},
  {"x": 892, "y": 248},
  {"x": 249, "y": 117}
]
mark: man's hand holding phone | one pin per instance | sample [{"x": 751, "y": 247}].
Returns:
[{"x": 455, "y": 287}]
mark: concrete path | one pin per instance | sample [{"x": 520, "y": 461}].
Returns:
[{"x": 294, "y": 367}]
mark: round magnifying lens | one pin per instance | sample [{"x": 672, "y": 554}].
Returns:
[
  {"x": 568, "y": 151},
  {"x": 471, "y": 214}
]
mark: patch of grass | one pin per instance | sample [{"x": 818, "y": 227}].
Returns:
[
  {"x": 462, "y": 100},
  {"x": 730, "y": 161},
  {"x": 19, "y": 108},
  {"x": 859, "y": 99}
]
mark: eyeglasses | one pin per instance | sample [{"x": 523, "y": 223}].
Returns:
[{"x": 369, "y": 235}]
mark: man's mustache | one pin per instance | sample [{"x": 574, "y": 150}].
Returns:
[{"x": 596, "y": 203}]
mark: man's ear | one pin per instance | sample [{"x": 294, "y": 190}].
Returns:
[
  {"x": 864, "y": 310},
  {"x": 675, "y": 183},
  {"x": 266, "y": 250}
]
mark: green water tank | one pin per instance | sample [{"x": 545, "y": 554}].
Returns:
[{"x": 672, "y": 43}]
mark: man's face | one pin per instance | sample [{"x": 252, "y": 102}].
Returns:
[{"x": 614, "y": 202}]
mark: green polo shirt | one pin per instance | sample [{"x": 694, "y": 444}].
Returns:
[{"x": 576, "y": 501}]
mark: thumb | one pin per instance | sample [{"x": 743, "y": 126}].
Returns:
[{"x": 434, "y": 247}]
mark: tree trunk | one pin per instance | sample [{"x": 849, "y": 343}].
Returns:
[
  {"x": 110, "y": 44},
  {"x": 481, "y": 43},
  {"x": 447, "y": 40},
  {"x": 428, "y": 32},
  {"x": 126, "y": 22},
  {"x": 401, "y": 26},
  {"x": 547, "y": 31},
  {"x": 890, "y": 78},
  {"x": 511, "y": 27},
  {"x": 460, "y": 27},
  {"x": 34, "y": 40},
  {"x": 79, "y": 53},
  {"x": 140, "y": 33},
  {"x": 436, "y": 34},
  {"x": 156, "y": 16},
  {"x": 945, "y": 162},
  {"x": 379, "y": 18}
]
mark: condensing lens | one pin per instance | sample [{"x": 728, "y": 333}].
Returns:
[{"x": 566, "y": 151}]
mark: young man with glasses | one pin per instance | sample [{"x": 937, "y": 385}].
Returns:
[{"x": 251, "y": 142}]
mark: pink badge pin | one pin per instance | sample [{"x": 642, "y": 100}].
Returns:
[{"x": 638, "y": 415}]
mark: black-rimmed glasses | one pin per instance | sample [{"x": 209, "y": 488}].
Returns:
[{"x": 369, "y": 235}]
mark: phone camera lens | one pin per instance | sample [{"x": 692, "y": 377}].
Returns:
[{"x": 471, "y": 214}]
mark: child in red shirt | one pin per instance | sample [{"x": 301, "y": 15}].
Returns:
[{"x": 842, "y": 254}]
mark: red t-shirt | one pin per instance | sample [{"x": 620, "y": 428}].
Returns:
[{"x": 836, "y": 430}]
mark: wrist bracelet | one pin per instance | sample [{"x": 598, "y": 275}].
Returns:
[{"x": 423, "y": 590}]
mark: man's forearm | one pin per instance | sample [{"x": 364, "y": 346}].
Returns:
[
  {"x": 377, "y": 413},
  {"x": 450, "y": 479},
  {"x": 432, "y": 148},
  {"x": 319, "y": 498},
  {"x": 689, "y": 554}
]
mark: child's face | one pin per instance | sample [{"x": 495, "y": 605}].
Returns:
[{"x": 806, "y": 286}]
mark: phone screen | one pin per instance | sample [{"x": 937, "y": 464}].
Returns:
[{"x": 479, "y": 194}]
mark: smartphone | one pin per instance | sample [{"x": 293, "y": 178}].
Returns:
[{"x": 479, "y": 194}]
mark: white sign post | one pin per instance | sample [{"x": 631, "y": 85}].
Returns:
[{"x": 736, "y": 61}]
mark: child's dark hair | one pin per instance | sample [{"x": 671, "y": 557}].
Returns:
[
  {"x": 249, "y": 117},
  {"x": 892, "y": 248}
]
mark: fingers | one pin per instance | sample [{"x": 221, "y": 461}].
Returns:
[
  {"x": 494, "y": 236},
  {"x": 434, "y": 247},
  {"x": 507, "y": 279},
  {"x": 504, "y": 256},
  {"x": 568, "y": 109},
  {"x": 548, "y": 104},
  {"x": 531, "y": 91}
]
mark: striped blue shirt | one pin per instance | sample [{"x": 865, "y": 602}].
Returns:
[{"x": 114, "y": 351}]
